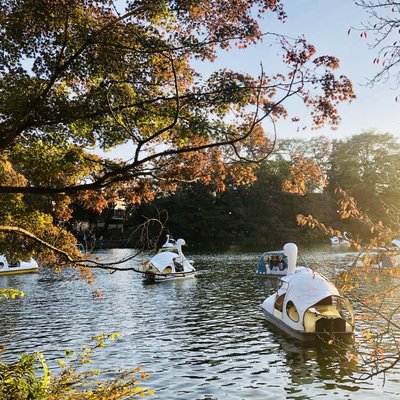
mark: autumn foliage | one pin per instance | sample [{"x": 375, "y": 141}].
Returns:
[{"x": 100, "y": 76}]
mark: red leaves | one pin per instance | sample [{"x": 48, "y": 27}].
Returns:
[
  {"x": 300, "y": 53},
  {"x": 329, "y": 62}
]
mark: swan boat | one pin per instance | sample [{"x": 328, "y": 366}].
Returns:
[
  {"x": 343, "y": 240},
  {"x": 20, "y": 267},
  {"x": 379, "y": 257},
  {"x": 168, "y": 265},
  {"x": 169, "y": 245},
  {"x": 273, "y": 264},
  {"x": 307, "y": 306}
]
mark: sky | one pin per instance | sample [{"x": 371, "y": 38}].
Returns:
[{"x": 325, "y": 24}]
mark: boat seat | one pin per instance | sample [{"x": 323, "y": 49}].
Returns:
[
  {"x": 328, "y": 311},
  {"x": 321, "y": 311},
  {"x": 167, "y": 270},
  {"x": 292, "y": 313}
]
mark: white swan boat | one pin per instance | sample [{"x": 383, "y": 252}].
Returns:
[
  {"x": 168, "y": 265},
  {"x": 342, "y": 240},
  {"x": 379, "y": 257},
  {"x": 19, "y": 267},
  {"x": 273, "y": 264},
  {"x": 169, "y": 245},
  {"x": 307, "y": 305}
]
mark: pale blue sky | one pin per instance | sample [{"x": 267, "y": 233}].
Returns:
[{"x": 325, "y": 24}]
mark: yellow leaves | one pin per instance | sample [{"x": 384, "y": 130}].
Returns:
[
  {"x": 8, "y": 293},
  {"x": 75, "y": 380},
  {"x": 68, "y": 353},
  {"x": 390, "y": 293},
  {"x": 112, "y": 336},
  {"x": 61, "y": 363},
  {"x": 346, "y": 288},
  {"x": 366, "y": 333},
  {"x": 8, "y": 176}
]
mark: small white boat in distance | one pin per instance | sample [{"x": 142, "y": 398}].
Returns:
[
  {"x": 272, "y": 264},
  {"x": 168, "y": 265},
  {"x": 19, "y": 267},
  {"x": 307, "y": 305},
  {"x": 343, "y": 240},
  {"x": 169, "y": 245}
]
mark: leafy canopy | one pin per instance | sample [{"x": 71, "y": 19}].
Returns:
[{"x": 75, "y": 74}]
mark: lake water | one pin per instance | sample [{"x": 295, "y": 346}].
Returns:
[{"x": 201, "y": 338}]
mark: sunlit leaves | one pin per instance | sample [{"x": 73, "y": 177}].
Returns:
[
  {"x": 30, "y": 377},
  {"x": 306, "y": 176},
  {"x": 8, "y": 293},
  {"x": 98, "y": 77},
  {"x": 369, "y": 282}
]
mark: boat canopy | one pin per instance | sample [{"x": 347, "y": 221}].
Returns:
[
  {"x": 396, "y": 242},
  {"x": 305, "y": 288},
  {"x": 271, "y": 259},
  {"x": 161, "y": 260}
]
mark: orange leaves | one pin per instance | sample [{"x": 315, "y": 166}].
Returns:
[
  {"x": 62, "y": 209},
  {"x": 329, "y": 61},
  {"x": 306, "y": 176},
  {"x": 352, "y": 357},
  {"x": 378, "y": 353},
  {"x": 348, "y": 206},
  {"x": 310, "y": 221},
  {"x": 93, "y": 200}
]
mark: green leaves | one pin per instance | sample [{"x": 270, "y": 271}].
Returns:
[
  {"x": 19, "y": 382},
  {"x": 30, "y": 378}
]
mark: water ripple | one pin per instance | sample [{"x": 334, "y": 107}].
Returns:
[{"x": 202, "y": 338}]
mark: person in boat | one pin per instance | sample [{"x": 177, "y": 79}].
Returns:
[
  {"x": 274, "y": 262},
  {"x": 283, "y": 263}
]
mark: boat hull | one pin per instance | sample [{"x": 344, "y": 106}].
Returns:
[
  {"x": 303, "y": 336},
  {"x": 151, "y": 277},
  {"x": 18, "y": 271},
  {"x": 270, "y": 275}
]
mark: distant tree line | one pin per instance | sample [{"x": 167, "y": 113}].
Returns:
[{"x": 366, "y": 166}]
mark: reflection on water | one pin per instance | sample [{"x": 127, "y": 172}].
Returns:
[{"x": 202, "y": 338}]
